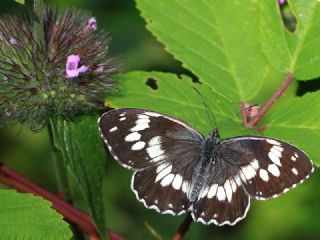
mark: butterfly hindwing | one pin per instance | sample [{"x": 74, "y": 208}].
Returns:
[
  {"x": 139, "y": 138},
  {"x": 223, "y": 199},
  {"x": 163, "y": 187},
  {"x": 267, "y": 167}
]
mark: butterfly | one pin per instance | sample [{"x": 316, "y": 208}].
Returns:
[{"x": 178, "y": 170}]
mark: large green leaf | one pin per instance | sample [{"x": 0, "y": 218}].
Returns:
[
  {"x": 84, "y": 155},
  {"x": 297, "y": 52},
  {"x": 24, "y": 216},
  {"x": 221, "y": 50}
]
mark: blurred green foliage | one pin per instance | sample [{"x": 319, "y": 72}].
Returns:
[{"x": 292, "y": 216}]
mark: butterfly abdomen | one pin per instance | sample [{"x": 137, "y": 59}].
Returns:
[{"x": 202, "y": 169}]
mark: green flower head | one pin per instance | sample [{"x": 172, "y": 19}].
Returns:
[{"x": 66, "y": 72}]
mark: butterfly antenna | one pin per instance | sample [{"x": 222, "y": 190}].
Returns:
[{"x": 210, "y": 117}]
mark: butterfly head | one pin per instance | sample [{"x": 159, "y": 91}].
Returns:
[{"x": 214, "y": 136}]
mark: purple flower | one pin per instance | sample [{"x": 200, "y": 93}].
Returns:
[
  {"x": 99, "y": 68},
  {"x": 92, "y": 24},
  {"x": 13, "y": 41},
  {"x": 72, "y": 69},
  {"x": 282, "y": 2}
]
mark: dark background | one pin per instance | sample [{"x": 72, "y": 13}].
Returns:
[{"x": 292, "y": 216}]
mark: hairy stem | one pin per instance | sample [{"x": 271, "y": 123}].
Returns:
[
  {"x": 14, "y": 180},
  {"x": 59, "y": 168},
  {"x": 183, "y": 228},
  {"x": 272, "y": 100}
]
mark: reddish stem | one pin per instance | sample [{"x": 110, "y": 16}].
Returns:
[
  {"x": 271, "y": 101},
  {"x": 183, "y": 228},
  {"x": 14, "y": 180},
  {"x": 244, "y": 113}
]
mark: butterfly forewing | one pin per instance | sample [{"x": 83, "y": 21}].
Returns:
[
  {"x": 161, "y": 149},
  {"x": 139, "y": 138},
  {"x": 267, "y": 167}
]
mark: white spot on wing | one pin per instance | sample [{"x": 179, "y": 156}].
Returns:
[
  {"x": 163, "y": 173},
  {"x": 233, "y": 185},
  {"x": 274, "y": 158},
  {"x": 273, "y": 142},
  {"x": 140, "y": 125},
  {"x": 177, "y": 182},
  {"x": 159, "y": 158},
  {"x": 212, "y": 191},
  {"x": 255, "y": 164},
  {"x": 238, "y": 180},
  {"x": 162, "y": 166},
  {"x": 138, "y": 146},
  {"x": 264, "y": 175},
  {"x": 113, "y": 129},
  {"x": 248, "y": 171},
  {"x": 295, "y": 154},
  {"x": 123, "y": 118},
  {"x": 221, "y": 195},
  {"x": 185, "y": 186},
  {"x": 274, "y": 170},
  {"x": 142, "y": 121},
  {"x": 204, "y": 192},
  {"x": 155, "y": 141},
  {"x": 132, "y": 137},
  {"x": 277, "y": 150},
  {"x": 154, "y": 151},
  {"x": 293, "y": 158},
  {"x": 228, "y": 190},
  {"x": 295, "y": 171},
  {"x": 167, "y": 180}
]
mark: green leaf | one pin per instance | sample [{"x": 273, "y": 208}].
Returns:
[
  {"x": 20, "y": 1},
  {"x": 84, "y": 155},
  {"x": 24, "y": 216},
  {"x": 221, "y": 50},
  {"x": 175, "y": 96},
  {"x": 298, "y": 122},
  {"x": 297, "y": 52}
]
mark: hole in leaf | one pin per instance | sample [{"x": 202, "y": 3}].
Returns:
[
  {"x": 308, "y": 86},
  {"x": 288, "y": 18},
  {"x": 152, "y": 83}
]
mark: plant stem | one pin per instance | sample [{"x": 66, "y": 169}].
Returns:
[
  {"x": 271, "y": 101},
  {"x": 59, "y": 168},
  {"x": 183, "y": 228},
  {"x": 14, "y": 180}
]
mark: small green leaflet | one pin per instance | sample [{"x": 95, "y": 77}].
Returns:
[
  {"x": 20, "y": 1},
  {"x": 24, "y": 216}
]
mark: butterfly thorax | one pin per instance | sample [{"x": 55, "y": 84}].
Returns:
[{"x": 209, "y": 151}]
